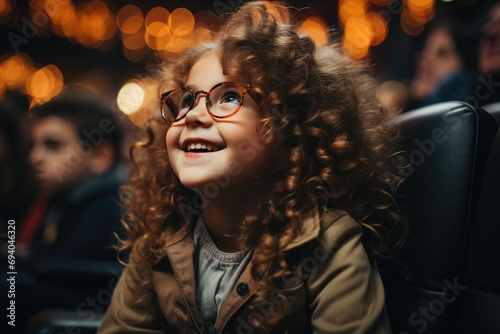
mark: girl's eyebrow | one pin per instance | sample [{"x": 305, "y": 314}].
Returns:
[{"x": 192, "y": 87}]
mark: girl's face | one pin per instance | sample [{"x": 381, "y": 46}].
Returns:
[{"x": 211, "y": 156}]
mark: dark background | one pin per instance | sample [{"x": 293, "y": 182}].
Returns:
[{"x": 394, "y": 59}]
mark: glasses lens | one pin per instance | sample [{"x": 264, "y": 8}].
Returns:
[
  {"x": 225, "y": 99},
  {"x": 178, "y": 103}
]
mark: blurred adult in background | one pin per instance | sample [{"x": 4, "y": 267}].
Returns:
[
  {"x": 489, "y": 59},
  {"x": 446, "y": 68},
  {"x": 76, "y": 155}
]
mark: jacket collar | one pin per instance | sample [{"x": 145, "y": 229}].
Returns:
[{"x": 309, "y": 229}]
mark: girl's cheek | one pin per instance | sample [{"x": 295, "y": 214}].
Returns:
[{"x": 171, "y": 139}]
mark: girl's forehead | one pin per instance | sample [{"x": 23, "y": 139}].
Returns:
[{"x": 207, "y": 71}]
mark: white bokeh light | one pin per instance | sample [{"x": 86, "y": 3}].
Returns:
[{"x": 130, "y": 97}]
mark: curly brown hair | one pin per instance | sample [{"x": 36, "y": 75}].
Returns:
[{"x": 339, "y": 146}]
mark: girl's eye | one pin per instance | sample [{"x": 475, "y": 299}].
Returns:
[
  {"x": 231, "y": 97},
  {"x": 52, "y": 144},
  {"x": 185, "y": 102}
]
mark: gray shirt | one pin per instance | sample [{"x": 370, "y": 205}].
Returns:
[{"x": 216, "y": 273}]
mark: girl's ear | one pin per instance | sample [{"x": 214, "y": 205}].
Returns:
[{"x": 102, "y": 158}]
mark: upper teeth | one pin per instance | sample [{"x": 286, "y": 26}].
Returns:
[{"x": 199, "y": 146}]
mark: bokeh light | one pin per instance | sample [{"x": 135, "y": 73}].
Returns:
[
  {"x": 358, "y": 36},
  {"x": 409, "y": 25},
  {"x": 393, "y": 95},
  {"x": 14, "y": 70},
  {"x": 101, "y": 24},
  {"x": 44, "y": 84},
  {"x": 129, "y": 19},
  {"x": 181, "y": 22},
  {"x": 130, "y": 97},
  {"x": 351, "y": 8},
  {"x": 379, "y": 27},
  {"x": 178, "y": 43},
  {"x": 316, "y": 28},
  {"x": 157, "y": 14},
  {"x": 5, "y": 8},
  {"x": 138, "y": 98},
  {"x": 157, "y": 36},
  {"x": 134, "y": 41}
]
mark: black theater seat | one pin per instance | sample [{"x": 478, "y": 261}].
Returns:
[
  {"x": 96, "y": 279},
  {"x": 65, "y": 321},
  {"x": 448, "y": 145},
  {"x": 480, "y": 311},
  {"x": 494, "y": 109}
]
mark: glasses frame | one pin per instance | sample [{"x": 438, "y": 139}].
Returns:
[{"x": 244, "y": 88}]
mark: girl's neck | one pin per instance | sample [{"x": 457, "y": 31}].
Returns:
[{"x": 224, "y": 217}]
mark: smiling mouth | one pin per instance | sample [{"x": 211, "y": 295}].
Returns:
[{"x": 201, "y": 148}]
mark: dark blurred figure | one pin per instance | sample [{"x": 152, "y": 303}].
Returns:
[
  {"x": 489, "y": 59},
  {"x": 17, "y": 186},
  {"x": 76, "y": 155},
  {"x": 447, "y": 66}
]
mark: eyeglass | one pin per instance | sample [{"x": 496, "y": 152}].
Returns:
[{"x": 222, "y": 101}]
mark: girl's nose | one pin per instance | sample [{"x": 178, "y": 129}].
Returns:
[{"x": 199, "y": 114}]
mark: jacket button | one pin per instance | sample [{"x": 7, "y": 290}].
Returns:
[{"x": 242, "y": 289}]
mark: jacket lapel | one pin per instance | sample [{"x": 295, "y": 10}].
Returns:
[
  {"x": 174, "y": 279},
  {"x": 235, "y": 300}
]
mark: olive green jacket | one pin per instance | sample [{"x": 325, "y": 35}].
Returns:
[{"x": 331, "y": 287}]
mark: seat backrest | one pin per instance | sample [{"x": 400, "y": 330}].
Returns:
[
  {"x": 493, "y": 109},
  {"x": 59, "y": 321},
  {"x": 480, "y": 311},
  {"x": 447, "y": 145}
]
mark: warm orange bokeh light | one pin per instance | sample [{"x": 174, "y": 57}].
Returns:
[
  {"x": 409, "y": 25},
  {"x": 178, "y": 43},
  {"x": 379, "y": 27},
  {"x": 181, "y": 22},
  {"x": 134, "y": 41},
  {"x": 316, "y": 28},
  {"x": 129, "y": 19},
  {"x": 350, "y": 9},
  {"x": 157, "y": 14},
  {"x": 5, "y": 8},
  {"x": 37, "y": 4},
  {"x": 63, "y": 14},
  {"x": 420, "y": 5},
  {"x": 359, "y": 32},
  {"x": 45, "y": 83},
  {"x": 422, "y": 11},
  {"x": 157, "y": 35},
  {"x": 15, "y": 70},
  {"x": 101, "y": 23}
]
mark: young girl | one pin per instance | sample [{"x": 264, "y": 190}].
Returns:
[{"x": 270, "y": 202}]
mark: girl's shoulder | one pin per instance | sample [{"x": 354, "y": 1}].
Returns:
[
  {"x": 331, "y": 230},
  {"x": 338, "y": 224}
]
